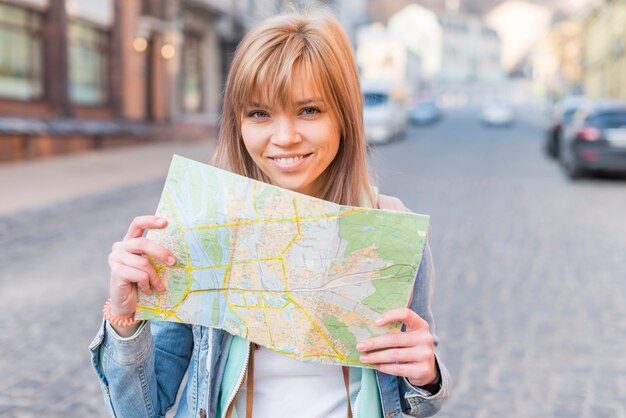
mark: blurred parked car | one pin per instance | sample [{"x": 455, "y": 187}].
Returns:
[
  {"x": 497, "y": 113},
  {"x": 424, "y": 112},
  {"x": 562, "y": 115},
  {"x": 384, "y": 116},
  {"x": 595, "y": 140},
  {"x": 453, "y": 99}
]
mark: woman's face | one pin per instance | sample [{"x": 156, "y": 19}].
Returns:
[{"x": 293, "y": 143}]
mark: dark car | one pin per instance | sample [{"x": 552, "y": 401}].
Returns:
[
  {"x": 595, "y": 140},
  {"x": 562, "y": 115}
]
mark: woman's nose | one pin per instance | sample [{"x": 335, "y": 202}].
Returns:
[{"x": 285, "y": 132}]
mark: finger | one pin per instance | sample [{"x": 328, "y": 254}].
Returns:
[
  {"x": 419, "y": 373},
  {"x": 412, "y": 320},
  {"x": 142, "y": 263},
  {"x": 396, "y": 369},
  {"x": 141, "y": 223},
  {"x": 397, "y": 355},
  {"x": 390, "y": 340},
  {"x": 121, "y": 274},
  {"x": 147, "y": 247}
]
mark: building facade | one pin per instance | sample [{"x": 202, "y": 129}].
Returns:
[
  {"x": 84, "y": 74},
  {"x": 385, "y": 61},
  {"x": 453, "y": 47},
  {"x": 470, "y": 50},
  {"x": 80, "y": 74},
  {"x": 605, "y": 51},
  {"x": 421, "y": 32},
  {"x": 556, "y": 61}
]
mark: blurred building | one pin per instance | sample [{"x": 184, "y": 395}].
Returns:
[
  {"x": 470, "y": 50},
  {"x": 454, "y": 47},
  {"x": 566, "y": 38},
  {"x": 352, "y": 14},
  {"x": 520, "y": 25},
  {"x": 605, "y": 51},
  {"x": 556, "y": 61},
  {"x": 384, "y": 60},
  {"x": 421, "y": 32},
  {"x": 84, "y": 74}
]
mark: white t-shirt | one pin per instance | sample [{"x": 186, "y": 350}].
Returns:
[{"x": 285, "y": 387}]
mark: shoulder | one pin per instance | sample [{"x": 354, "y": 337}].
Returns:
[{"x": 390, "y": 202}]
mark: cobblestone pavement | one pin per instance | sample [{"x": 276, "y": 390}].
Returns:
[
  {"x": 530, "y": 295},
  {"x": 530, "y": 292}
]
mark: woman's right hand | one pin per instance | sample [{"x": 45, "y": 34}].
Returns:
[{"x": 130, "y": 267}]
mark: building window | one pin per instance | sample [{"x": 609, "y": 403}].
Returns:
[
  {"x": 20, "y": 53},
  {"x": 192, "y": 73},
  {"x": 88, "y": 51}
]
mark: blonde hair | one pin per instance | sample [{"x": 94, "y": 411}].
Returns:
[{"x": 311, "y": 41}]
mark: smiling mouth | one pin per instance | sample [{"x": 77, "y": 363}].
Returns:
[{"x": 290, "y": 163}]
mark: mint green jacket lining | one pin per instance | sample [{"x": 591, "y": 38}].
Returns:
[{"x": 368, "y": 398}]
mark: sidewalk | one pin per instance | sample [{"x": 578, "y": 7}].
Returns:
[{"x": 34, "y": 184}]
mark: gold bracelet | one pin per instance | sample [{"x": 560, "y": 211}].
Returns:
[{"x": 117, "y": 320}]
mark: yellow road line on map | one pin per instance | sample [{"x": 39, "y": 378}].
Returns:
[
  {"x": 181, "y": 301},
  {"x": 276, "y": 308},
  {"x": 170, "y": 313},
  {"x": 319, "y": 331},
  {"x": 224, "y": 289},
  {"x": 188, "y": 292},
  {"x": 282, "y": 262},
  {"x": 331, "y": 356},
  {"x": 224, "y": 284},
  {"x": 344, "y": 359},
  {"x": 267, "y": 325},
  {"x": 180, "y": 225},
  {"x": 236, "y": 263},
  {"x": 295, "y": 210},
  {"x": 292, "y": 355},
  {"x": 277, "y": 220},
  {"x": 188, "y": 280},
  {"x": 230, "y": 225},
  {"x": 295, "y": 237},
  {"x": 234, "y": 289},
  {"x": 187, "y": 252},
  {"x": 158, "y": 270},
  {"x": 206, "y": 291},
  {"x": 351, "y": 211},
  {"x": 159, "y": 311}
]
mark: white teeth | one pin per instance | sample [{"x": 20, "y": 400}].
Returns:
[{"x": 288, "y": 161}]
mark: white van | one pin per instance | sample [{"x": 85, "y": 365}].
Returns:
[{"x": 384, "y": 113}]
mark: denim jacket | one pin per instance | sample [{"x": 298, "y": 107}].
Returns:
[{"x": 140, "y": 376}]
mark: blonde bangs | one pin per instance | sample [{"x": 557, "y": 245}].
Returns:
[
  {"x": 319, "y": 78},
  {"x": 272, "y": 81}
]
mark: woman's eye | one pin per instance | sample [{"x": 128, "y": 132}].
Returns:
[
  {"x": 310, "y": 111},
  {"x": 257, "y": 114}
]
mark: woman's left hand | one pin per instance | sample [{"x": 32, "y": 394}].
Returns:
[{"x": 410, "y": 353}]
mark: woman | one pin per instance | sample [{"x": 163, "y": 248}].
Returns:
[{"x": 292, "y": 117}]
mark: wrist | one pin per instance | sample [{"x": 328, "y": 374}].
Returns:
[
  {"x": 432, "y": 386},
  {"x": 125, "y": 331},
  {"x": 124, "y": 322}
]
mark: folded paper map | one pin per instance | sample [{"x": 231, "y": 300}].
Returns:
[{"x": 298, "y": 275}]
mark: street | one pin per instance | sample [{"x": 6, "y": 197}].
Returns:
[{"x": 529, "y": 297}]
